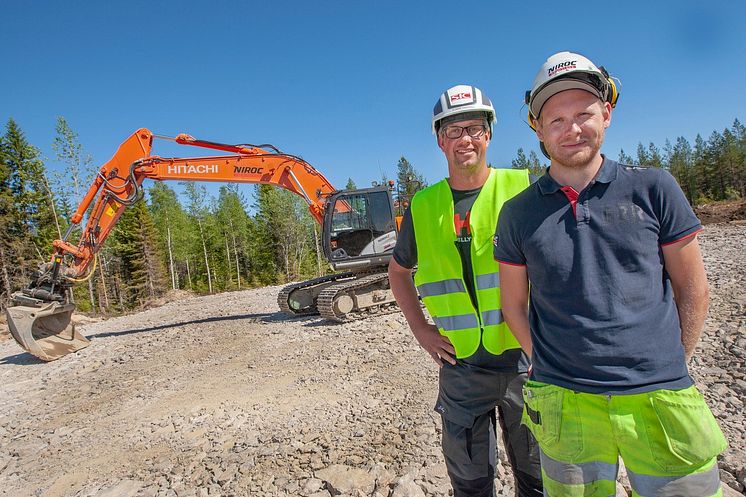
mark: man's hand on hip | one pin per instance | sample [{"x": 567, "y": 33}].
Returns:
[{"x": 438, "y": 346}]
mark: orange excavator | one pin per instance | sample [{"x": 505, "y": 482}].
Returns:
[{"x": 359, "y": 229}]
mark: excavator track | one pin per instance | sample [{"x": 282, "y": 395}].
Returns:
[
  {"x": 357, "y": 299},
  {"x": 299, "y": 299}
]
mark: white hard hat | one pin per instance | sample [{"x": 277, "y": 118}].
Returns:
[
  {"x": 566, "y": 71},
  {"x": 462, "y": 99}
]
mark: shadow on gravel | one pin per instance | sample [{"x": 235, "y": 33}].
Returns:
[
  {"x": 26, "y": 359},
  {"x": 22, "y": 359},
  {"x": 279, "y": 316},
  {"x": 236, "y": 317},
  {"x": 307, "y": 320},
  {"x": 322, "y": 323}
]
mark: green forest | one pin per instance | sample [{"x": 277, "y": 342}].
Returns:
[
  {"x": 710, "y": 170},
  {"x": 199, "y": 243}
]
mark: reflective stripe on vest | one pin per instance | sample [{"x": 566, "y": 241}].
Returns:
[
  {"x": 492, "y": 317},
  {"x": 439, "y": 276},
  {"x": 441, "y": 287},
  {"x": 454, "y": 323},
  {"x": 485, "y": 281}
]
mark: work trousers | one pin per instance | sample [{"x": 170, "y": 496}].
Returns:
[
  {"x": 668, "y": 440},
  {"x": 471, "y": 451}
]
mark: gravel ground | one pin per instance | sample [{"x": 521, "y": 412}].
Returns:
[{"x": 224, "y": 396}]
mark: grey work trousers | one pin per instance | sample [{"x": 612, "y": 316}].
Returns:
[{"x": 470, "y": 451}]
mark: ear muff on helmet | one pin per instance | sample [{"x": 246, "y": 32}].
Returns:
[{"x": 612, "y": 94}]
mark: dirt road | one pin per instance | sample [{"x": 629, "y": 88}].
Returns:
[{"x": 222, "y": 395}]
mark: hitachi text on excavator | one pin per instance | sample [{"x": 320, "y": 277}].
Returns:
[{"x": 359, "y": 229}]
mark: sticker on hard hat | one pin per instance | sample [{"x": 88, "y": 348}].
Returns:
[
  {"x": 562, "y": 66},
  {"x": 460, "y": 95}
]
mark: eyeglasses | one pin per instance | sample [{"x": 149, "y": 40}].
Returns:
[{"x": 454, "y": 132}]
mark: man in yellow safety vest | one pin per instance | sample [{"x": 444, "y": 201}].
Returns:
[{"x": 448, "y": 234}]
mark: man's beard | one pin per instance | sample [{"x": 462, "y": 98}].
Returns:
[{"x": 577, "y": 159}]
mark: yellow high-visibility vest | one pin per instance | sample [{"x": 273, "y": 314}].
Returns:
[{"x": 439, "y": 277}]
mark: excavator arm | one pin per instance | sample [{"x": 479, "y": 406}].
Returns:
[
  {"x": 118, "y": 183},
  {"x": 40, "y": 318}
]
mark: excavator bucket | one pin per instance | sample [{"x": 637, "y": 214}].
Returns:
[{"x": 45, "y": 332}]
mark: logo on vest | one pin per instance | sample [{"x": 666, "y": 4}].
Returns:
[{"x": 463, "y": 230}]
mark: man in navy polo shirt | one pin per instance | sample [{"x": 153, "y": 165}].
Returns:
[{"x": 618, "y": 300}]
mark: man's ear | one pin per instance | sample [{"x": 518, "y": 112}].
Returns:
[
  {"x": 607, "y": 114},
  {"x": 538, "y": 128}
]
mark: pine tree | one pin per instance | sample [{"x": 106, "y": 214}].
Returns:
[
  {"x": 521, "y": 161},
  {"x": 72, "y": 184},
  {"x": 712, "y": 167},
  {"x": 28, "y": 228},
  {"x": 198, "y": 212},
  {"x": 409, "y": 179},
  {"x": 699, "y": 170},
  {"x": 739, "y": 136},
  {"x": 680, "y": 165},
  {"x": 174, "y": 231},
  {"x": 624, "y": 158},
  {"x": 730, "y": 160},
  {"x": 140, "y": 260},
  {"x": 409, "y": 182},
  {"x": 654, "y": 156},
  {"x": 234, "y": 225},
  {"x": 9, "y": 216},
  {"x": 286, "y": 226},
  {"x": 642, "y": 156},
  {"x": 532, "y": 163}
]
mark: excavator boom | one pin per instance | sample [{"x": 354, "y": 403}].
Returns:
[{"x": 118, "y": 183}]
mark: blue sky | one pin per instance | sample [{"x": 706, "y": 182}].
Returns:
[{"x": 350, "y": 86}]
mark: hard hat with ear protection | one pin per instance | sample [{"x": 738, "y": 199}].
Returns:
[
  {"x": 462, "y": 102},
  {"x": 566, "y": 71}
]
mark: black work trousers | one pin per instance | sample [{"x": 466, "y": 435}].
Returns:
[{"x": 471, "y": 451}]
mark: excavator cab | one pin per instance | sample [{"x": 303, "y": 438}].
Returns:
[{"x": 359, "y": 228}]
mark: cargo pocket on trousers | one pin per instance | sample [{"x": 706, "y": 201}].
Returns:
[
  {"x": 542, "y": 412},
  {"x": 688, "y": 435},
  {"x": 555, "y": 426}
]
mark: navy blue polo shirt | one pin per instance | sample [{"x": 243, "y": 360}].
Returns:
[{"x": 601, "y": 312}]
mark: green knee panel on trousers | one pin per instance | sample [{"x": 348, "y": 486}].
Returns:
[{"x": 668, "y": 440}]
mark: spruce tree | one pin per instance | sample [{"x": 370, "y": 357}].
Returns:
[
  {"x": 28, "y": 226},
  {"x": 532, "y": 162},
  {"x": 409, "y": 182},
  {"x": 624, "y": 158},
  {"x": 140, "y": 259}
]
